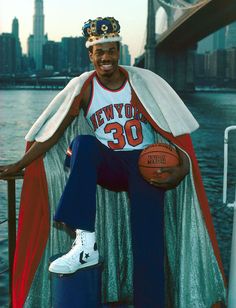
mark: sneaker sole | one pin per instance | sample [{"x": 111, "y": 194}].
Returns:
[{"x": 87, "y": 264}]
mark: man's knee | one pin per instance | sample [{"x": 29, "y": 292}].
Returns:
[
  {"x": 85, "y": 139},
  {"x": 84, "y": 148},
  {"x": 87, "y": 142}
]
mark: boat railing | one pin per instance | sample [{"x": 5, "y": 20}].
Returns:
[
  {"x": 232, "y": 274},
  {"x": 11, "y": 220}
]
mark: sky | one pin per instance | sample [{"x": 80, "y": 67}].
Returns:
[{"x": 66, "y": 18}]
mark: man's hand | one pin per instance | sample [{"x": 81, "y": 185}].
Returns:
[
  {"x": 9, "y": 170},
  {"x": 36, "y": 150},
  {"x": 175, "y": 174}
]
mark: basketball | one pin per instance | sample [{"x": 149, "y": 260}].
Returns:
[{"x": 156, "y": 156}]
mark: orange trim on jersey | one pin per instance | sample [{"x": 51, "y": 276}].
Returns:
[
  {"x": 75, "y": 107},
  {"x": 90, "y": 97},
  {"x": 111, "y": 90}
]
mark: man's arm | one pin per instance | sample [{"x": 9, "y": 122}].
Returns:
[
  {"x": 39, "y": 148},
  {"x": 36, "y": 150},
  {"x": 176, "y": 174}
]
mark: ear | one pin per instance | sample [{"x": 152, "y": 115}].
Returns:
[{"x": 91, "y": 56}]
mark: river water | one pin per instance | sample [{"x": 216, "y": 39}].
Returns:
[{"x": 214, "y": 112}]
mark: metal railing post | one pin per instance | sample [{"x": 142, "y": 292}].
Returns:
[
  {"x": 11, "y": 193},
  {"x": 11, "y": 190},
  {"x": 232, "y": 272}
]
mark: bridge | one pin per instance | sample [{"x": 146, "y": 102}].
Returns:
[{"x": 171, "y": 54}]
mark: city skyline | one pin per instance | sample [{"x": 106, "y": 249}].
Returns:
[{"x": 58, "y": 26}]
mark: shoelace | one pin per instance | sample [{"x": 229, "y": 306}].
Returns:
[
  {"x": 80, "y": 237},
  {"x": 73, "y": 255}
]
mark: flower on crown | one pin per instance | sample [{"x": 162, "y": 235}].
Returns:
[{"x": 101, "y": 30}]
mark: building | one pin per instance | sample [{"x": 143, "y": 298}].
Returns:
[
  {"x": 212, "y": 42},
  {"x": 219, "y": 39},
  {"x": 218, "y": 64},
  {"x": 38, "y": 39},
  {"x": 52, "y": 56},
  {"x": 15, "y": 28},
  {"x": 231, "y": 63},
  {"x": 125, "y": 57},
  {"x": 74, "y": 55},
  {"x": 15, "y": 33},
  {"x": 215, "y": 64},
  {"x": 211, "y": 68},
  {"x": 7, "y": 54},
  {"x": 205, "y": 45},
  {"x": 30, "y": 46},
  {"x": 199, "y": 66},
  {"x": 68, "y": 56},
  {"x": 231, "y": 35}
]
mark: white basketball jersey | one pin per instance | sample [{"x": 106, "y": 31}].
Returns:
[{"x": 116, "y": 123}]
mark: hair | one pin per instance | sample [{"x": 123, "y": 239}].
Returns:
[{"x": 117, "y": 44}]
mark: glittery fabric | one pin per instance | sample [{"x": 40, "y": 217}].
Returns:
[{"x": 192, "y": 275}]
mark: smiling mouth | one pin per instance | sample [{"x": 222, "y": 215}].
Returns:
[{"x": 106, "y": 67}]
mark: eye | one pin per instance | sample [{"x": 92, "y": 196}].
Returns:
[{"x": 98, "y": 53}]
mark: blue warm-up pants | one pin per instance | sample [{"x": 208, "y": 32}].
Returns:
[{"x": 93, "y": 163}]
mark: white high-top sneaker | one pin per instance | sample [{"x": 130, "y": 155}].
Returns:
[{"x": 83, "y": 253}]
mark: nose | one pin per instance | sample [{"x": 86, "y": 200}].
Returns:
[{"x": 105, "y": 57}]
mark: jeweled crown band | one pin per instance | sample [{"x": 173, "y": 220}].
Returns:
[{"x": 101, "y": 30}]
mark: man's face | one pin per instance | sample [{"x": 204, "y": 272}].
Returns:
[{"x": 105, "y": 58}]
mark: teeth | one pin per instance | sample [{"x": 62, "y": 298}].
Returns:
[{"x": 107, "y": 66}]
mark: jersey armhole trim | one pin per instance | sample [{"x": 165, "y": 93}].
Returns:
[{"x": 91, "y": 94}]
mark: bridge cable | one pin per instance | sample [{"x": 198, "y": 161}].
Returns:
[{"x": 182, "y": 5}]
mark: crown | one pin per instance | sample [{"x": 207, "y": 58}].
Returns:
[{"x": 101, "y": 30}]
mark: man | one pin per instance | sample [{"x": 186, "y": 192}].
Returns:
[
  {"x": 127, "y": 109},
  {"x": 112, "y": 162}
]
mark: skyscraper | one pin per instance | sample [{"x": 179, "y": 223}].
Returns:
[
  {"x": 15, "y": 28},
  {"x": 125, "y": 58},
  {"x": 52, "y": 56},
  {"x": 206, "y": 44},
  {"x": 231, "y": 35},
  {"x": 15, "y": 33},
  {"x": 74, "y": 55},
  {"x": 219, "y": 39},
  {"x": 212, "y": 42},
  {"x": 8, "y": 54},
  {"x": 38, "y": 38}
]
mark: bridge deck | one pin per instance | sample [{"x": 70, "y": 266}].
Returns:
[{"x": 197, "y": 23}]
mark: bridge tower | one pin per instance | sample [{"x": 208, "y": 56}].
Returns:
[
  {"x": 150, "y": 62},
  {"x": 175, "y": 66}
]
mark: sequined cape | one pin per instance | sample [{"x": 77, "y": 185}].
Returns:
[{"x": 194, "y": 272}]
